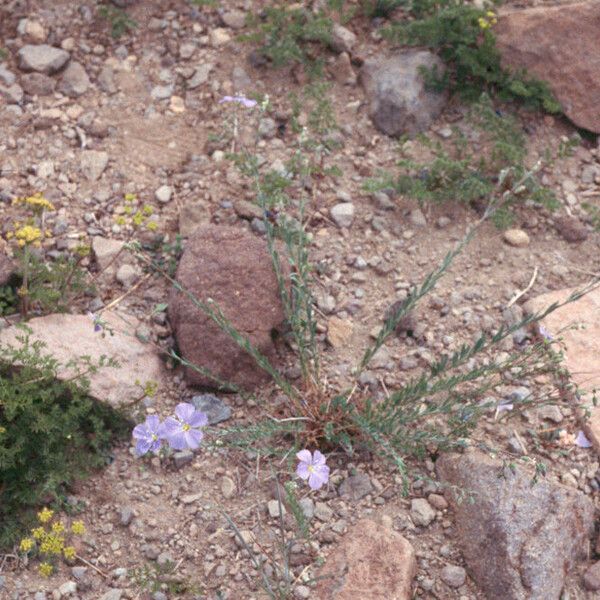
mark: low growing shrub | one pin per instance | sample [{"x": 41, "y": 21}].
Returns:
[{"x": 51, "y": 432}]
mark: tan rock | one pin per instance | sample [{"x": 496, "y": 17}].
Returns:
[
  {"x": 516, "y": 237},
  {"x": 339, "y": 331},
  {"x": 371, "y": 563},
  {"x": 578, "y": 325},
  {"x": 558, "y": 44},
  {"x": 69, "y": 337}
]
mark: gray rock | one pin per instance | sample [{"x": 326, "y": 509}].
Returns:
[
  {"x": 75, "y": 80},
  {"x": 421, "y": 512},
  {"x": 67, "y": 589},
  {"x": 240, "y": 79},
  {"x": 216, "y": 410},
  {"x": 159, "y": 596},
  {"x": 323, "y": 512},
  {"x": 343, "y": 214},
  {"x": 399, "y": 102},
  {"x": 163, "y": 194},
  {"x": 342, "y": 39},
  {"x": 200, "y": 76},
  {"x": 93, "y": 163},
  {"x": 38, "y": 84},
  {"x": 356, "y": 486},
  {"x": 417, "y": 218},
  {"x": 267, "y": 128},
  {"x": 40, "y": 596},
  {"x": 227, "y": 487},
  {"x": 106, "y": 80},
  {"x": 7, "y": 77},
  {"x": 42, "y": 58},
  {"x": 126, "y": 515},
  {"x": 453, "y": 576},
  {"x": 591, "y": 578},
  {"x": 12, "y": 93},
  {"x": 112, "y": 595},
  {"x": 236, "y": 19},
  {"x": 531, "y": 532},
  {"x": 161, "y": 92},
  {"x": 182, "y": 458},
  {"x": 308, "y": 507},
  {"x": 79, "y": 572},
  {"x": 273, "y": 507},
  {"x": 127, "y": 275}
]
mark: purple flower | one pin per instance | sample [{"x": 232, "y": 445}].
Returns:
[
  {"x": 313, "y": 468},
  {"x": 582, "y": 441},
  {"x": 148, "y": 435},
  {"x": 247, "y": 102},
  {"x": 96, "y": 321},
  {"x": 183, "y": 431},
  {"x": 545, "y": 334}
]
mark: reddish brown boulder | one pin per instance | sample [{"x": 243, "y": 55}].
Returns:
[
  {"x": 558, "y": 44},
  {"x": 233, "y": 267},
  {"x": 578, "y": 325},
  {"x": 370, "y": 563},
  {"x": 519, "y": 539}
]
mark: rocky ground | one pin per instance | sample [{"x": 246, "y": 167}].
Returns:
[{"x": 97, "y": 118}]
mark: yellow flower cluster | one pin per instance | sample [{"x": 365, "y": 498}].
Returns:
[
  {"x": 37, "y": 202},
  {"x": 50, "y": 539},
  {"x": 487, "y": 21},
  {"x": 28, "y": 235}
]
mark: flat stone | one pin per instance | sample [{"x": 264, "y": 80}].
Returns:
[
  {"x": 200, "y": 76},
  {"x": 42, "y": 58},
  {"x": 339, "y": 331},
  {"x": 13, "y": 93},
  {"x": 323, "y": 512},
  {"x": 127, "y": 275},
  {"x": 591, "y": 578},
  {"x": 356, "y": 486},
  {"x": 74, "y": 81},
  {"x": 215, "y": 409},
  {"x": 182, "y": 458},
  {"x": 7, "y": 77},
  {"x": 227, "y": 487},
  {"x": 114, "y": 594},
  {"x": 219, "y": 37},
  {"x": 93, "y": 163},
  {"x": 105, "y": 251},
  {"x": 343, "y": 214},
  {"x": 342, "y": 39},
  {"x": 275, "y": 508},
  {"x": 371, "y": 562},
  {"x": 126, "y": 515},
  {"x": 236, "y": 19},
  {"x": 532, "y": 533},
  {"x": 578, "y": 326},
  {"x": 115, "y": 386}
]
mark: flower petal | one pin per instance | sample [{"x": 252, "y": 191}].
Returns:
[
  {"x": 318, "y": 479},
  {"x": 304, "y": 456},
  {"x": 142, "y": 446},
  {"x": 152, "y": 423},
  {"x": 302, "y": 470},
  {"x": 177, "y": 440},
  {"x": 193, "y": 437},
  {"x": 318, "y": 458},
  {"x": 140, "y": 432},
  {"x": 169, "y": 427},
  {"x": 198, "y": 419},
  {"x": 582, "y": 441},
  {"x": 184, "y": 411}
]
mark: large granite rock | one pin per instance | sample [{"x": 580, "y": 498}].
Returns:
[
  {"x": 518, "y": 539},
  {"x": 233, "y": 267},
  {"x": 370, "y": 563},
  {"x": 578, "y": 326},
  {"x": 558, "y": 44},
  {"x": 399, "y": 102},
  {"x": 69, "y": 337}
]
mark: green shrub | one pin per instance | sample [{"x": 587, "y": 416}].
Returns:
[
  {"x": 51, "y": 432},
  {"x": 290, "y": 34},
  {"x": 118, "y": 19},
  {"x": 463, "y": 37}
]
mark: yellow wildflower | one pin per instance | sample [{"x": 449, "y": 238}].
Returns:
[
  {"x": 2, "y": 430},
  {"x": 52, "y": 544},
  {"x": 69, "y": 552},
  {"x": 37, "y": 202},
  {"x": 45, "y": 515},
  {"x": 38, "y": 533},
  {"x": 483, "y": 23},
  {"x": 152, "y": 225},
  {"x": 490, "y": 13},
  {"x": 130, "y": 197},
  {"x": 58, "y": 527},
  {"x": 26, "y": 545},
  {"x": 147, "y": 210},
  {"x": 120, "y": 220},
  {"x": 138, "y": 219},
  {"x": 28, "y": 234},
  {"x": 45, "y": 569},
  {"x": 78, "y": 527}
]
